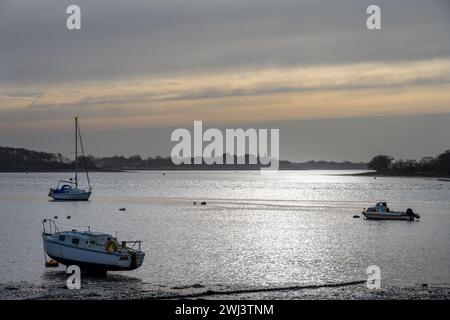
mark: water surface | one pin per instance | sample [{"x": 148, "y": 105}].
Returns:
[{"x": 255, "y": 231}]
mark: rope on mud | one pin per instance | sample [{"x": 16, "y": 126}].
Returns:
[{"x": 256, "y": 290}]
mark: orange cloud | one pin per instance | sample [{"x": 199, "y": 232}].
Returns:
[{"x": 366, "y": 89}]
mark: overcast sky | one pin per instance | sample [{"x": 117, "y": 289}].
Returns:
[{"x": 138, "y": 69}]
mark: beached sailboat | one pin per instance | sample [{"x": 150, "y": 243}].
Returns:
[
  {"x": 68, "y": 190},
  {"x": 91, "y": 251}
]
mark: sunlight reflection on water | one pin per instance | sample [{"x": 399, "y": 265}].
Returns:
[{"x": 255, "y": 230}]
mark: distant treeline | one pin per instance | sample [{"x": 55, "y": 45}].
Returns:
[
  {"x": 18, "y": 159},
  {"x": 428, "y": 166},
  {"x": 160, "y": 163}
]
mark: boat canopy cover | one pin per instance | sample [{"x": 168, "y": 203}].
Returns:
[{"x": 62, "y": 189}]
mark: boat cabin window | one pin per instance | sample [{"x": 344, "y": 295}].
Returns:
[
  {"x": 75, "y": 241},
  {"x": 92, "y": 241},
  {"x": 62, "y": 238}
]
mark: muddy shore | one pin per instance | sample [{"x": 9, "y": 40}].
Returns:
[{"x": 114, "y": 291}]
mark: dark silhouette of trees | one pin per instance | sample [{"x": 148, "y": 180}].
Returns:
[
  {"x": 428, "y": 166},
  {"x": 404, "y": 166},
  {"x": 443, "y": 162},
  {"x": 380, "y": 163},
  {"x": 18, "y": 159}
]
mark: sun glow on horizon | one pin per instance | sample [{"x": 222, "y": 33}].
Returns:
[{"x": 303, "y": 92}]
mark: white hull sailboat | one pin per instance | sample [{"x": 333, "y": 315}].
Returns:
[
  {"x": 69, "y": 190},
  {"x": 91, "y": 251},
  {"x": 70, "y": 194}
]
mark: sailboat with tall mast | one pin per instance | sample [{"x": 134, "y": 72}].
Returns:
[{"x": 69, "y": 190}]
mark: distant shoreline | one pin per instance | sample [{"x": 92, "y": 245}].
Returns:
[
  {"x": 445, "y": 178},
  {"x": 55, "y": 170},
  {"x": 203, "y": 168},
  {"x": 27, "y": 161},
  {"x": 191, "y": 168},
  {"x": 23, "y": 160},
  {"x": 400, "y": 175}
]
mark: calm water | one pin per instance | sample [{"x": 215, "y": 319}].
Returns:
[{"x": 256, "y": 230}]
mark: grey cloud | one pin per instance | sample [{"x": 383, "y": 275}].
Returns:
[{"x": 121, "y": 39}]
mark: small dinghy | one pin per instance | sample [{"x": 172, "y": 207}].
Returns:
[
  {"x": 68, "y": 190},
  {"x": 382, "y": 212},
  {"x": 91, "y": 251}
]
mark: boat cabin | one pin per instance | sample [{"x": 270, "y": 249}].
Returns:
[
  {"x": 380, "y": 206},
  {"x": 85, "y": 239}
]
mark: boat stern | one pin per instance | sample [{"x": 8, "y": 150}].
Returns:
[
  {"x": 140, "y": 258},
  {"x": 136, "y": 259}
]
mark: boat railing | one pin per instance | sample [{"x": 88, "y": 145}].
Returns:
[
  {"x": 50, "y": 226},
  {"x": 134, "y": 243}
]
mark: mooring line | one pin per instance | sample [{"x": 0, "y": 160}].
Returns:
[{"x": 256, "y": 290}]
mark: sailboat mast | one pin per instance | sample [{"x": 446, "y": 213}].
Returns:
[
  {"x": 76, "y": 152},
  {"x": 84, "y": 158}
]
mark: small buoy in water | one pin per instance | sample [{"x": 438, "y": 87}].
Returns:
[
  {"x": 356, "y": 216},
  {"x": 164, "y": 173},
  {"x": 195, "y": 202},
  {"x": 55, "y": 217},
  {"x": 122, "y": 209},
  {"x": 68, "y": 217},
  {"x": 203, "y": 203}
]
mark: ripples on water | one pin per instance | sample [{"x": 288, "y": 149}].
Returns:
[{"x": 292, "y": 228}]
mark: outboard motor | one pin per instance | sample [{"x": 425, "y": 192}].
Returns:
[{"x": 411, "y": 214}]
